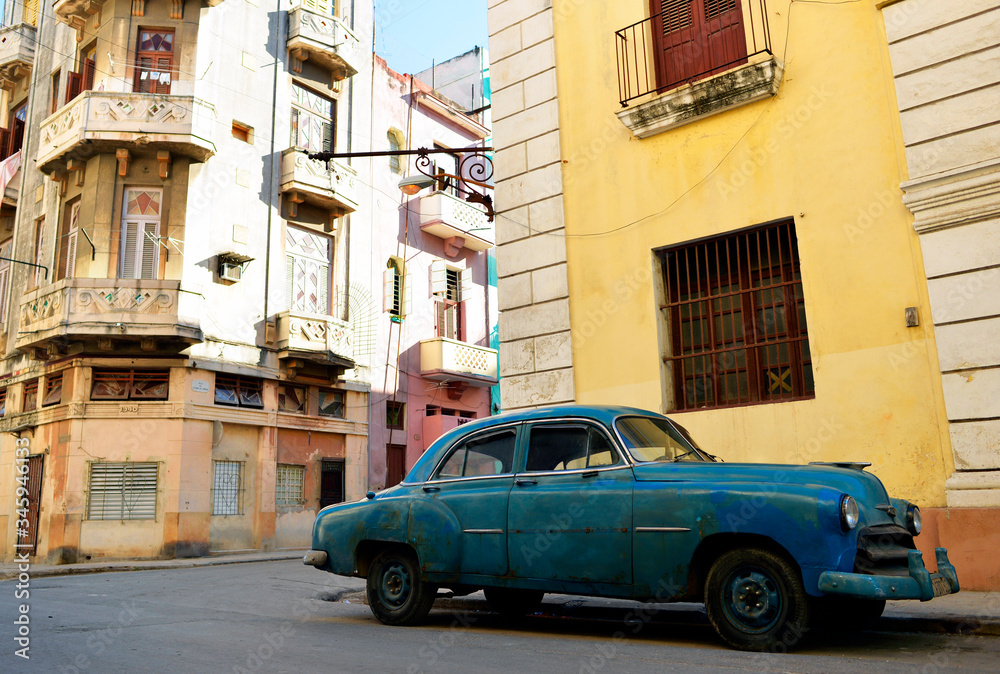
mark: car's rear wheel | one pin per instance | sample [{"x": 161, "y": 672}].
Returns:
[
  {"x": 396, "y": 595},
  {"x": 845, "y": 614},
  {"x": 755, "y": 600},
  {"x": 513, "y": 603}
]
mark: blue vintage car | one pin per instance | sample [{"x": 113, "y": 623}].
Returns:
[{"x": 620, "y": 502}]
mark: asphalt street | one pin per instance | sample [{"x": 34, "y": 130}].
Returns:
[{"x": 284, "y": 617}]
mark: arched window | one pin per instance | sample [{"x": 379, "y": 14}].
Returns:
[{"x": 395, "y": 144}]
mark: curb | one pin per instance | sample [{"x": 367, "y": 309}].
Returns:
[{"x": 49, "y": 571}]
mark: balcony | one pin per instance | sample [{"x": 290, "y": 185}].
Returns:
[
  {"x": 315, "y": 338},
  {"x": 86, "y": 314},
  {"x": 76, "y": 13},
  {"x": 325, "y": 40},
  {"x": 694, "y": 66},
  {"x": 17, "y": 54},
  {"x": 459, "y": 223},
  {"x": 448, "y": 360},
  {"x": 106, "y": 121},
  {"x": 327, "y": 184}
]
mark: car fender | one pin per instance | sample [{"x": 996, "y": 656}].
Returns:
[{"x": 436, "y": 534}]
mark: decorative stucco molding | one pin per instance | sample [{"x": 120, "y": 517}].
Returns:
[{"x": 951, "y": 200}]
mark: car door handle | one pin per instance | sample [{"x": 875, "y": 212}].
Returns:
[
  {"x": 524, "y": 482},
  {"x": 430, "y": 490},
  {"x": 590, "y": 473}
]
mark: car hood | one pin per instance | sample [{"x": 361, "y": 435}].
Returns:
[{"x": 863, "y": 486}]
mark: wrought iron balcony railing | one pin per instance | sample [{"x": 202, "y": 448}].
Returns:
[{"x": 689, "y": 40}]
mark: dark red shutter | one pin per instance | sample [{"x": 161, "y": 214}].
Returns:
[{"x": 695, "y": 38}]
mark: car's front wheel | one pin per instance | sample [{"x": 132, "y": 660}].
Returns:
[
  {"x": 396, "y": 595},
  {"x": 755, "y": 600},
  {"x": 513, "y": 603}
]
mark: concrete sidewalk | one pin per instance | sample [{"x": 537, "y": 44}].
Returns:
[{"x": 971, "y": 613}]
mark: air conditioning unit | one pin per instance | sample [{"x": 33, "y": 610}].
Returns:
[
  {"x": 230, "y": 271},
  {"x": 231, "y": 266}
]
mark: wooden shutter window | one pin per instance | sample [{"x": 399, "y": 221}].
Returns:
[
  {"x": 30, "y": 401},
  {"x": 74, "y": 85},
  {"x": 154, "y": 62},
  {"x": 53, "y": 389},
  {"x": 5, "y": 250},
  {"x": 676, "y": 14},
  {"x": 140, "y": 237}
]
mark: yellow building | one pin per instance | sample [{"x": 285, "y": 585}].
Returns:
[{"x": 701, "y": 213}]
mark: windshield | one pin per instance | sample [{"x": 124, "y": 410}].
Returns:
[{"x": 652, "y": 439}]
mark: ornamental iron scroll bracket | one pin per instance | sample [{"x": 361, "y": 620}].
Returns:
[{"x": 475, "y": 168}]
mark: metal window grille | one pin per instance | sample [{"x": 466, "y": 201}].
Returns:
[
  {"x": 227, "y": 488},
  {"x": 331, "y": 488},
  {"x": 736, "y": 320},
  {"x": 130, "y": 385},
  {"x": 3, "y": 402},
  {"x": 332, "y": 404},
  {"x": 394, "y": 415},
  {"x": 289, "y": 485},
  {"x": 122, "y": 491},
  {"x": 239, "y": 391},
  {"x": 30, "y": 401}
]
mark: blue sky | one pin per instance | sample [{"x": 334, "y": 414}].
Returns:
[{"x": 410, "y": 34}]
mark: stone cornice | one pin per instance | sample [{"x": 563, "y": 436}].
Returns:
[{"x": 961, "y": 198}]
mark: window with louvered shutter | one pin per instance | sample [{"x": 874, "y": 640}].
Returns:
[
  {"x": 677, "y": 15},
  {"x": 140, "y": 234},
  {"x": 122, "y": 491},
  {"x": 68, "y": 242}
]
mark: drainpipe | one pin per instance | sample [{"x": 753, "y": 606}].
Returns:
[{"x": 270, "y": 187}]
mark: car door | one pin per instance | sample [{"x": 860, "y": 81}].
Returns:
[
  {"x": 570, "y": 510},
  {"x": 473, "y": 482}
]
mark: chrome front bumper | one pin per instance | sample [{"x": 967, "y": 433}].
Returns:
[
  {"x": 317, "y": 558},
  {"x": 920, "y": 584}
]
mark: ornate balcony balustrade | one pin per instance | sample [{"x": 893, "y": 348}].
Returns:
[
  {"x": 459, "y": 223},
  {"x": 17, "y": 54},
  {"x": 448, "y": 360},
  {"x": 316, "y": 338},
  {"x": 86, "y": 314},
  {"x": 327, "y": 184},
  {"x": 324, "y": 39},
  {"x": 109, "y": 121}
]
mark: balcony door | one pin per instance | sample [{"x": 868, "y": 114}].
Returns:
[
  {"x": 307, "y": 271},
  {"x": 139, "y": 250},
  {"x": 694, "y": 38},
  {"x": 154, "y": 61}
]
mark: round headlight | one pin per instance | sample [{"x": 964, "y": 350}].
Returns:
[
  {"x": 848, "y": 512},
  {"x": 913, "y": 521}
]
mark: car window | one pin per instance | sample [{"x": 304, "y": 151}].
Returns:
[
  {"x": 568, "y": 447},
  {"x": 486, "y": 454},
  {"x": 652, "y": 439}
]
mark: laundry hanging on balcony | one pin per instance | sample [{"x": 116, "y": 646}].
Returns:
[{"x": 8, "y": 168}]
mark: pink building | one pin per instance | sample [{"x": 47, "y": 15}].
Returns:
[{"x": 432, "y": 366}]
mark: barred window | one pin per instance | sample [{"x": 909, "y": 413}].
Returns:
[
  {"x": 30, "y": 401},
  {"x": 332, "y": 404},
  {"x": 289, "y": 485},
  {"x": 130, "y": 385},
  {"x": 227, "y": 488},
  {"x": 291, "y": 398},
  {"x": 53, "y": 389},
  {"x": 239, "y": 391},
  {"x": 122, "y": 491},
  {"x": 735, "y": 316},
  {"x": 3, "y": 401}
]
